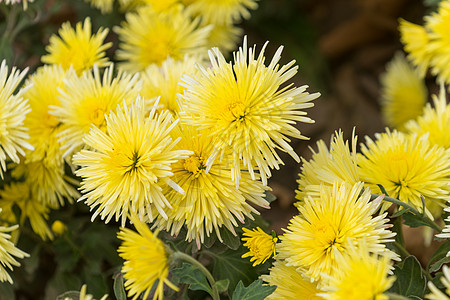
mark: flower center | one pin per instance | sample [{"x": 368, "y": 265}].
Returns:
[
  {"x": 234, "y": 111},
  {"x": 194, "y": 164},
  {"x": 328, "y": 236},
  {"x": 97, "y": 117}
]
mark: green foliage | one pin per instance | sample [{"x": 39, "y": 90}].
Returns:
[
  {"x": 414, "y": 221},
  {"x": 119, "y": 291},
  {"x": 255, "y": 291},
  {"x": 191, "y": 275},
  {"x": 439, "y": 257},
  {"x": 411, "y": 280}
]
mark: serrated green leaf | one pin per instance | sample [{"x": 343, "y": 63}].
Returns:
[
  {"x": 191, "y": 275},
  {"x": 222, "y": 285},
  {"x": 119, "y": 290},
  {"x": 230, "y": 265},
  {"x": 437, "y": 265},
  {"x": 255, "y": 291},
  {"x": 410, "y": 279},
  {"x": 414, "y": 220},
  {"x": 229, "y": 239}
]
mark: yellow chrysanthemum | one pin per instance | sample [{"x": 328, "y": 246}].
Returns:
[
  {"x": 437, "y": 25},
  {"x": 125, "y": 166},
  {"x": 246, "y": 110},
  {"x": 221, "y": 12},
  {"x": 291, "y": 285},
  {"x": 436, "y": 294},
  {"x": 20, "y": 194},
  {"x": 146, "y": 261},
  {"x": 44, "y": 167},
  {"x": 148, "y": 37},
  {"x": 359, "y": 275},
  {"x": 404, "y": 93},
  {"x": 327, "y": 166},
  {"x": 314, "y": 238},
  {"x": 429, "y": 46},
  {"x": 261, "y": 246},
  {"x": 225, "y": 37},
  {"x": 157, "y": 5},
  {"x": 87, "y": 99},
  {"x": 105, "y": 6},
  {"x": 416, "y": 41},
  {"x": 434, "y": 121},
  {"x": 13, "y": 109},
  {"x": 408, "y": 167},
  {"x": 163, "y": 81},
  {"x": 84, "y": 295},
  {"x": 7, "y": 252},
  {"x": 212, "y": 199},
  {"x": 77, "y": 47}
]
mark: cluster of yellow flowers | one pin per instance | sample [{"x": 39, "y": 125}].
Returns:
[{"x": 171, "y": 138}]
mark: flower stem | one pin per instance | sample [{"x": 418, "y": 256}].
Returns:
[
  {"x": 427, "y": 220},
  {"x": 187, "y": 258}
]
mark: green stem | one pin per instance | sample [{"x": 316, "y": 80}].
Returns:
[
  {"x": 427, "y": 220},
  {"x": 187, "y": 258},
  {"x": 401, "y": 249}
]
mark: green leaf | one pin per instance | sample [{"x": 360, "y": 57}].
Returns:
[
  {"x": 70, "y": 295},
  {"x": 400, "y": 212},
  {"x": 229, "y": 265},
  {"x": 191, "y": 275},
  {"x": 270, "y": 197},
  {"x": 414, "y": 220},
  {"x": 254, "y": 291},
  {"x": 440, "y": 253},
  {"x": 229, "y": 239},
  {"x": 437, "y": 265},
  {"x": 383, "y": 190},
  {"x": 222, "y": 285},
  {"x": 437, "y": 281},
  {"x": 119, "y": 290},
  {"x": 410, "y": 278}
]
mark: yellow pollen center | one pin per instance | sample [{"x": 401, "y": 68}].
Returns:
[
  {"x": 234, "y": 111},
  {"x": 97, "y": 117},
  {"x": 328, "y": 236},
  {"x": 194, "y": 164}
]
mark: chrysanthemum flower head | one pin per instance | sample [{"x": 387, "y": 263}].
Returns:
[
  {"x": 359, "y": 274},
  {"x": 105, "y": 6},
  {"x": 404, "y": 93},
  {"x": 13, "y": 109},
  {"x": 328, "y": 166},
  {"x": 428, "y": 46},
  {"x": 8, "y": 252},
  {"x": 157, "y": 5},
  {"x": 261, "y": 246},
  {"x": 77, "y": 47},
  {"x": 408, "y": 167},
  {"x": 163, "y": 81},
  {"x": 291, "y": 285},
  {"x": 87, "y": 99},
  {"x": 44, "y": 167},
  {"x": 245, "y": 108},
  {"x": 212, "y": 199},
  {"x": 146, "y": 261},
  {"x": 148, "y": 37},
  {"x": 221, "y": 12},
  {"x": 416, "y": 41},
  {"x": 20, "y": 194},
  {"x": 314, "y": 238},
  {"x": 126, "y": 165},
  {"x": 225, "y": 37},
  {"x": 434, "y": 121},
  {"x": 435, "y": 293}
]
